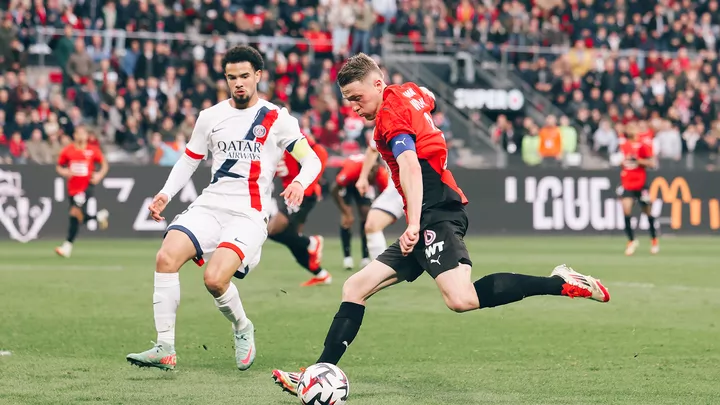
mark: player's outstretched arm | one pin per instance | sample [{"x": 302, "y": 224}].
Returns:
[
  {"x": 195, "y": 151},
  {"x": 371, "y": 156},
  {"x": 310, "y": 168},
  {"x": 180, "y": 174}
]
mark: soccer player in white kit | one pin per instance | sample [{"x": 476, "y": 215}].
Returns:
[
  {"x": 246, "y": 137},
  {"x": 385, "y": 210}
]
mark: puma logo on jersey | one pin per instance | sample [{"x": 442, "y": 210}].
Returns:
[
  {"x": 437, "y": 261},
  {"x": 402, "y": 141}
]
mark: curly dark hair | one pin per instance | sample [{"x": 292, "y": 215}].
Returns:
[{"x": 244, "y": 53}]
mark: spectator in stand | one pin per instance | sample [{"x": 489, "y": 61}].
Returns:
[
  {"x": 38, "y": 150},
  {"x": 530, "y": 143},
  {"x": 550, "y": 142},
  {"x": 667, "y": 145},
  {"x": 503, "y": 134},
  {"x": 167, "y": 153},
  {"x": 79, "y": 65},
  {"x": 364, "y": 21},
  {"x": 605, "y": 139},
  {"x": 17, "y": 148}
]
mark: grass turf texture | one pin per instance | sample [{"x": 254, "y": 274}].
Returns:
[{"x": 70, "y": 323}]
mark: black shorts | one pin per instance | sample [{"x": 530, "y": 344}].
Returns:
[
  {"x": 299, "y": 215},
  {"x": 80, "y": 199},
  {"x": 441, "y": 246},
  {"x": 642, "y": 196},
  {"x": 351, "y": 194}
]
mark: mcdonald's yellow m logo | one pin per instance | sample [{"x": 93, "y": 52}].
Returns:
[{"x": 680, "y": 188}]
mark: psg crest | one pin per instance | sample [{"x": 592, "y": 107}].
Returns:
[{"x": 259, "y": 131}]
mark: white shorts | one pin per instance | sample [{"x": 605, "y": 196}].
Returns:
[
  {"x": 209, "y": 229},
  {"x": 390, "y": 201}
]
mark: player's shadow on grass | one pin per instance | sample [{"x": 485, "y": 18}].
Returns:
[{"x": 153, "y": 375}]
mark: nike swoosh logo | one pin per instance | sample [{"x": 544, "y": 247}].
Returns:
[
  {"x": 240, "y": 242},
  {"x": 246, "y": 360},
  {"x": 216, "y": 129}
]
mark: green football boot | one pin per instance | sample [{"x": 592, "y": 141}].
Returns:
[{"x": 161, "y": 355}]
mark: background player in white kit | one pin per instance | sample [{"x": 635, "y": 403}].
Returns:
[
  {"x": 246, "y": 137},
  {"x": 385, "y": 210}
]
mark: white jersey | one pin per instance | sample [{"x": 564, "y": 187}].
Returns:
[{"x": 246, "y": 146}]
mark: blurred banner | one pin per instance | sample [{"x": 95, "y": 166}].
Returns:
[{"x": 34, "y": 204}]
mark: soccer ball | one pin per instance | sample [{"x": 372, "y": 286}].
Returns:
[{"x": 323, "y": 384}]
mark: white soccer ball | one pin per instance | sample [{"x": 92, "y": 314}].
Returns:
[{"x": 323, "y": 384}]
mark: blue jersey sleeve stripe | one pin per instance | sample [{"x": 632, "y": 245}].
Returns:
[{"x": 402, "y": 143}]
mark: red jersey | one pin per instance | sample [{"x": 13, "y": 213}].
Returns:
[
  {"x": 289, "y": 168},
  {"x": 350, "y": 174},
  {"x": 647, "y": 138},
  {"x": 633, "y": 176},
  {"x": 406, "y": 109},
  {"x": 81, "y": 163}
]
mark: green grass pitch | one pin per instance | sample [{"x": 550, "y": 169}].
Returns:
[{"x": 70, "y": 323}]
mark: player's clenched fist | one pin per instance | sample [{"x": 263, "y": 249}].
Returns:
[
  {"x": 362, "y": 185},
  {"x": 409, "y": 239},
  {"x": 157, "y": 206},
  {"x": 293, "y": 194}
]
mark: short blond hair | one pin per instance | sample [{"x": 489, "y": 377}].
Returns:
[{"x": 357, "y": 68}]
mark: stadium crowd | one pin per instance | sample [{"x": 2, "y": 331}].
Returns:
[{"x": 633, "y": 65}]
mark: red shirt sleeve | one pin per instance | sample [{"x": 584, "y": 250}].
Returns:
[
  {"x": 98, "y": 156},
  {"x": 645, "y": 151},
  {"x": 349, "y": 174},
  {"x": 393, "y": 119},
  {"x": 322, "y": 154},
  {"x": 381, "y": 179}
]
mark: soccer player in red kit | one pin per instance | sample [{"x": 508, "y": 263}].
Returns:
[
  {"x": 77, "y": 163},
  {"x": 638, "y": 156},
  {"x": 346, "y": 195},
  {"x": 416, "y": 153},
  {"x": 286, "y": 226}
]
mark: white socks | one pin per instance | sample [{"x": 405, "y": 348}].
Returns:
[
  {"x": 166, "y": 299},
  {"x": 231, "y": 306},
  {"x": 376, "y": 244}
]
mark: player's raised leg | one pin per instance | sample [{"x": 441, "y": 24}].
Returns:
[
  {"x": 347, "y": 321},
  {"x": 307, "y": 250},
  {"x": 446, "y": 259},
  {"x": 461, "y": 295},
  {"x": 178, "y": 247}
]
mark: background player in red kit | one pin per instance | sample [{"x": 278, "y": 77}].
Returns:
[
  {"x": 638, "y": 156},
  {"x": 77, "y": 163},
  {"x": 287, "y": 225},
  {"x": 346, "y": 194},
  {"x": 416, "y": 153}
]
